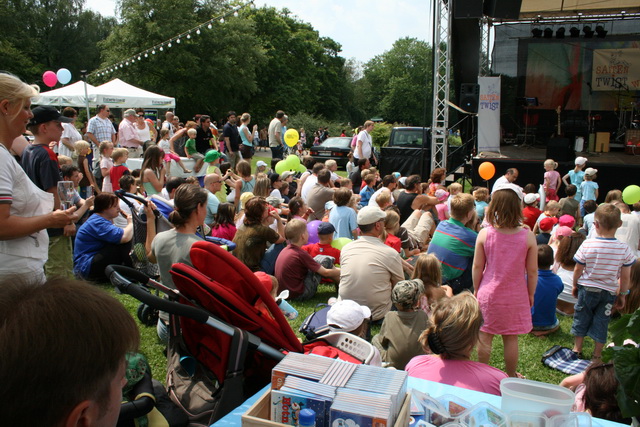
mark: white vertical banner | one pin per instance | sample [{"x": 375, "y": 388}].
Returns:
[{"x": 489, "y": 114}]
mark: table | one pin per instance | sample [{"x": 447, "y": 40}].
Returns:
[{"x": 233, "y": 418}]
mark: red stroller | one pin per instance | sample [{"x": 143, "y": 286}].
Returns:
[{"x": 218, "y": 338}]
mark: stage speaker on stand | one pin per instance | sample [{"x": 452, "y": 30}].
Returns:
[
  {"x": 502, "y": 9},
  {"x": 465, "y": 9},
  {"x": 560, "y": 150},
  {"x": 469, "y": 97}
]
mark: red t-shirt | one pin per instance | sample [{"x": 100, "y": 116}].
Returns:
[
  {"x": 292, "y": 267},
  {"x": 393, "y": 242},
  {"x": 319, "y": 249},
  {"x": 530, "y": 215},
  {"x": 115, "y": 174}
]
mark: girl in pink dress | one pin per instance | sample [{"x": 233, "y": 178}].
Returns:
[
  {"x": 505, "y": 273},
  {"x": 552, "y": 180}
]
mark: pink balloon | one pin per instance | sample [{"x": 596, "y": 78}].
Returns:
[
  {"x": 49, "y": 78},
  {"x": 312, "y": 228}
]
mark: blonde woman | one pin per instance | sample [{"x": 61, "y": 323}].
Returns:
[
  {"x": 25, "y": 210},
  {"x": 454, "y": 331}
]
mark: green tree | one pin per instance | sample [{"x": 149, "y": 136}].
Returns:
[
  {"x": 39, "y": 35},
  {"x": 211, "y": 72},
  {"x": 397, "y": 82}
]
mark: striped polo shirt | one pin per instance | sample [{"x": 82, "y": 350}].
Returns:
[{"x": 602, "y": 259}]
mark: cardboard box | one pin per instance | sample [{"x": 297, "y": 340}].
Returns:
[
  {"x": 258, "y": 414},
  {"x": 602, "y": 142}
]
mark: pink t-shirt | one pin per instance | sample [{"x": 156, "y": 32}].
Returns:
[
  {"x": 553, "y": 177},
  {"x": 442, "y": 211},
  {"x": 460, "y": 373},
  {"x": 225, "y": 231}
]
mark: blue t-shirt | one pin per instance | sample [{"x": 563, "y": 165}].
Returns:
[
  {"x": 365, "y": 195},
  {"x": 91, "y": 237},
  {"x": 588, "y": 190},
  {"x": 576, "y": 178},
  {"x": 344, "y": 219},
  {"x": 543, "y": 312},
  {"x": 212, "y": 208},
  {"x": 480, "y": 206}
]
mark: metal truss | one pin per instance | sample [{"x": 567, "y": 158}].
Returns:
[
  {"x": 441, "y": 81},
  {"x": 485, "y": 59}
]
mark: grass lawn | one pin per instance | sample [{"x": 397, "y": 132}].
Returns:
[{"x": 531, "y": 348}]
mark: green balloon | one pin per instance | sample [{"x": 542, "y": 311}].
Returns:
[
  {"x": 340, "y": 242},
  {"x": 281, "y": 166},
  {"x": 301, "y": 169},
  {"x": 631, "y": 194},
  {"x": 293, "y": 161}
]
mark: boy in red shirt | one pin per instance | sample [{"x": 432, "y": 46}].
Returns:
[
  {"x": 119, "y": 156},
  {"x": 531, "y": 212},
  {"x": 323, "y": 247}
]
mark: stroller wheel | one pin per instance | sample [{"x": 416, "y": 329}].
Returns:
[{"x": 147, "y": 315}]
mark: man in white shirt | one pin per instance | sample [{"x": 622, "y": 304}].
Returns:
[
  {"x": 128, "y": 134},
  {"x": 509, "y": 177},
  {"x": 368, "y": 268},
  {"x": 100, "y": 128},
  {"x": 168, "y": 123},
  {"x": 388, "y": 184},
  {"x": 275, "y": 136}
]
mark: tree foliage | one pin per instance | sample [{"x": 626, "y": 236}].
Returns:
[
  {"x": 396, "y": 83},
  {"x": 40, "y": 35}
]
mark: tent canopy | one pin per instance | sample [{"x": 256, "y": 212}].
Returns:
[
  {"x": 71, "y": 96},
  {"x": 119, "y": 94},
  {"x": 116, "y": 94}
]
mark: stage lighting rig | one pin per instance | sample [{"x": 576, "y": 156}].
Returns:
[
  {"x": 560, "y": 33},
  {"x": 574, "y": 31},
  {"x": 601, "y": 32},
  {"x": 548, "y": 33},
  {"x": 537, "y": 33},
  {"x": 588, "y": 32}
]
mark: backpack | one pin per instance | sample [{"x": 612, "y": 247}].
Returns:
[{"x": 315, "y": 324}]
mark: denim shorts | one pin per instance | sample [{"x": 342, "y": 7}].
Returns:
[{"x": 593, "y": 312}]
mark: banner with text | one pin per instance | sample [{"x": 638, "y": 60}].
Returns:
[
  {"x": 489, "y": 114},
  {"x": 615, "y": 69}
]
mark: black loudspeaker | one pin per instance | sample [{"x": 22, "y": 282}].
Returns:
[
  {"x": 502, "y": 9},
  {"x": 463, "y": 9},
  {"x": 469, "y": 97},
  {"x": 560, "y": 150}
]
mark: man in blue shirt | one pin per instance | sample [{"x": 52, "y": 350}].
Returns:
[{"x": 454, "y": 243}]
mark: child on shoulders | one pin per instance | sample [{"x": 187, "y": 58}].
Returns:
[{"x": 398, "y": 338}]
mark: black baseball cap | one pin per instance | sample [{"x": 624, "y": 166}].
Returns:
[
  {"x": 46, "y": 113},
  {"x": 326, "y": 228}
]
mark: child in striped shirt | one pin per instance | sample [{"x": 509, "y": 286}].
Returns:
[{"x": 600, "y": 264}]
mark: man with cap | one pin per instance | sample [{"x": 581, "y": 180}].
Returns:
[
  {"x": 40, "y": 163},
  {"x": 369, "y": 268},
  {"x": 128, "y": 134}
]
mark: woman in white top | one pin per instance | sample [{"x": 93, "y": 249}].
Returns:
[
  {"x": 563, "y": 267},
  {"x": 25, "y": 210},
  {"x": 66, "y": 146},
  {"x": 144, "y": 129},
  {"x": 364, "y": 144}
]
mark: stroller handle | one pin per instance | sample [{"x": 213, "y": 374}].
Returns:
[
  {"x": 123, "y": 195},
  {"x": 119, "y": 276}
]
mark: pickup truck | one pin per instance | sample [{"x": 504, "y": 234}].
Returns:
[{"x": 408, "y": 151}]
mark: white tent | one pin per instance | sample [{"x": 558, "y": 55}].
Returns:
[
  {"x": 118, "y": 94},
  {"x": 68, "y": 96}
]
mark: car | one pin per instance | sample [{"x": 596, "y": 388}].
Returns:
[{"x": 333, "y": 148}]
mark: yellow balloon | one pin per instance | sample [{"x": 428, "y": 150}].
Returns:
[{"x": 291, "y": 137}]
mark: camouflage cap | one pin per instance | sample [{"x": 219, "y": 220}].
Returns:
[{"x": 406, "y": 293}]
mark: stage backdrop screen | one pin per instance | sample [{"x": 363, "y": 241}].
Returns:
[{"x": 581, "y": 74}]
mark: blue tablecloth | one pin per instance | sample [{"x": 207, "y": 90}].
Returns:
[{"x": 233, "y": 418}]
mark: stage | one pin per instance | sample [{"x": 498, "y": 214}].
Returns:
[{"x": 616, "y": 170}]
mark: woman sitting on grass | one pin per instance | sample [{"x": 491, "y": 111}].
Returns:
[{"x": 454, "y": 332}]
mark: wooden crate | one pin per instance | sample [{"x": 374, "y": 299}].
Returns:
[{"x": 259, "y": 413}]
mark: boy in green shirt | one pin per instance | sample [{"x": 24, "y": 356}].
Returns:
[{"x": 191, "y": 152}]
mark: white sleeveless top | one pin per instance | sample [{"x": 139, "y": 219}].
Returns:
[{"x": 144, "y": 135}]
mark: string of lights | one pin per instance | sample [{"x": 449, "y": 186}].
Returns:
[{"x": 167, "y": 44}]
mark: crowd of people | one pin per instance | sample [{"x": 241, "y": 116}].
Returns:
[{"x": 440, "y": 269}]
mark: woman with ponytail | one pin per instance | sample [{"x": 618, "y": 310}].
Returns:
[
  {"x": 455, "y": 327},
  {"x": 169, "y": 247}
]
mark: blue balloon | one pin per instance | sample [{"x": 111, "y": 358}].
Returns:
[{"x": 64, "y": 76}]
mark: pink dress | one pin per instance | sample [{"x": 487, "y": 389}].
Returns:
[{"x": 503, "y": 295}]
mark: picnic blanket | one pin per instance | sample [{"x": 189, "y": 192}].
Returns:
[{"x": 565, "y": 360}]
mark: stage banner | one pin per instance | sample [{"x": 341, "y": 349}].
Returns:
[
  {"x": 615, "y": 69},
  {"x": 489, "y": 114}
]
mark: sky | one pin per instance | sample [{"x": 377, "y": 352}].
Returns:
[{"x": 364, "y": 28}]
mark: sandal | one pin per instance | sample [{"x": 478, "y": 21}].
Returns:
[{"x": 579, "y": 354}]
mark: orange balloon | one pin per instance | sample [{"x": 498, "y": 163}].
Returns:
[{"x": 486, "y": 170}]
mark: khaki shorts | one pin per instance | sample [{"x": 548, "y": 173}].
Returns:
[
  {"x": 197, "y": 156},
  {"x": 60, "y": 261}
]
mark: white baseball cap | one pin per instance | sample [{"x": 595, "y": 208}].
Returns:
[
  {"x": 510, "y": 186},
  {"x": 260, "y": 163},
  {"x": 370, "y": 214},
  {"x": 346, "y": 315},
  {"x": 531, "y": 197},
  {"x": 581, "y": 160}
]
